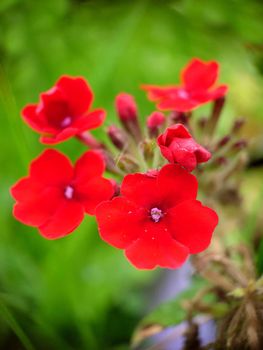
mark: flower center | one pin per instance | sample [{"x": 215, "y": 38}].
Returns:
[
  {"x": 156, "y": 214},
  {"x": 66, "y": 122},
  {"x": 69, "y": 192},
  {"x": 183, "y": 94}
]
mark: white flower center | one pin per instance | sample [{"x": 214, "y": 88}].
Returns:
[
  {"x": 183, "y": 94},
  {"x": 156, "y": 214},
  {"x": 69, "y": 192},
  {"x": 66, "y": 122}
]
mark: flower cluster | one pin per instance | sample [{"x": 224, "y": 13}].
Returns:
[{"x": 150, "y": 208}]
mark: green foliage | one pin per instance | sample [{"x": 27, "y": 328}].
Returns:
[{"x": 79, "y": 293}]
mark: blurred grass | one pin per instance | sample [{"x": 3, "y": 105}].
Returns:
[{"x": 79, "y": 293}]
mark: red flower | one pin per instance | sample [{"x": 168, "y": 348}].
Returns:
[
  {"x": 157, "y": 220},
  {"x": 55, "y": 195},
  {"x": 63, "y": 111},
  {"x": 178, "y": 146},
  {"x": 198, "y": 80}
]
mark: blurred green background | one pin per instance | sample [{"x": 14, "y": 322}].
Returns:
[{"x": 77, "y": 292}]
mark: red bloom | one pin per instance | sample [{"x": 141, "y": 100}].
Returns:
[
  {"x": 157, "y": 220},
  {"x": 178, "y": 146},
  {"x": 63, "y": 111},
  {"x": 55, "y": 195},
  {"x": 198, "y": 80}
]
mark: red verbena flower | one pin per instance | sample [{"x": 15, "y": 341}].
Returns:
[
  {"x": 55, "y": 195},
  {"x": 157, "y": 219},
  {"x": 178, "y": 146},
  {"x": 197, "y": 87},
  {"x": 63, "y": 111}
]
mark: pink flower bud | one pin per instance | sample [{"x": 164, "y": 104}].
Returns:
[
  {"x": 117, "y": 136},
  {"x": 126, "y": 107},
  {"x": 127, "y": 111},
  {"x": 154, "y": 121}
]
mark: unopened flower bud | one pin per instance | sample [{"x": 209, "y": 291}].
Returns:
[
  {"x": 223, "y": 141},
  {"x": 154, "y": 122},
  {"x": 178, "y": 117},
  {"x": 239, "y": 145},
  {"x": 89, "y": 140},
  {"x": 202, "y": 122},
  {"x": 116, "y": 187},
  {"x": 117, "y": 136},
  {"x": 109, "y": 160},
  {"x": 128, "y": 164},
  {"x": 238, "y": 123},
  {"x": 221, "y": 161},
  {"x": 127, "y": 111},
  {"x": 152, "y": 172},
  {"x": 215, "y": 115},
  {"x": 126, "y": 107}
]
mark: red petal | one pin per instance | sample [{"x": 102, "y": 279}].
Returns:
[
  {"x": 156, "y": 248},
  {"x": 178, "y": 104},
  {"x": 51, "y": 168},
  {"x": 140, "y": 189},
  {"x": 26, "y": 189},
  {"x": 66, "y": 219},
  {"x": 77, "y": 93},
  {"x": 192, "y": 225},
  {"x": 202, "y": 155},
  {"x": 35, "y": 120},
  {"x": 185, "y": 158},
  {"x": 60, "y": 136},
  {"x": 88, "y": 166},
  {"x": 176, "y": 130},
  {"x": 90, "y": 121},
  {"x": 92, "y": 193},
  {"x": 35, "y": 210},
  {"x": 119, "y": 222},
  {"x": 176, "y": 185},
  {"x": 156, "y": 93},
  {"x": 199, "y": 75},
  {"x": 218, "y": 92}
]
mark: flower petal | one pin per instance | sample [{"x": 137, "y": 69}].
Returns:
[
  {"x": 176, "y": 185},
  {"x": 119, "y": 222},
  {"x": 77, "y": 92},
  {"x": 51, "y": 168},
  {"x": 177, "y": 104},
  {"x": 92, "y": 193},
  {"x": 200, "y": 75},
  {"x": 26, "y": 189},
  {"x": 156, "y": 93},
  {"x": 140, "y": 189},
  {"x": 156, "y": 248},
  {"x": 66, "y": 219},
  {"x": 192, "y": 224},
  {"x": 35, "y": 210},
  {"x": 35, "y": 120},
  {"x": 88, "y": 166},
  {"x": 218, "y": 92},
  {"x": 186, "y": 159},
  {"x": 59, "y": 137},
  {"x": 90, "y": 121}
]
